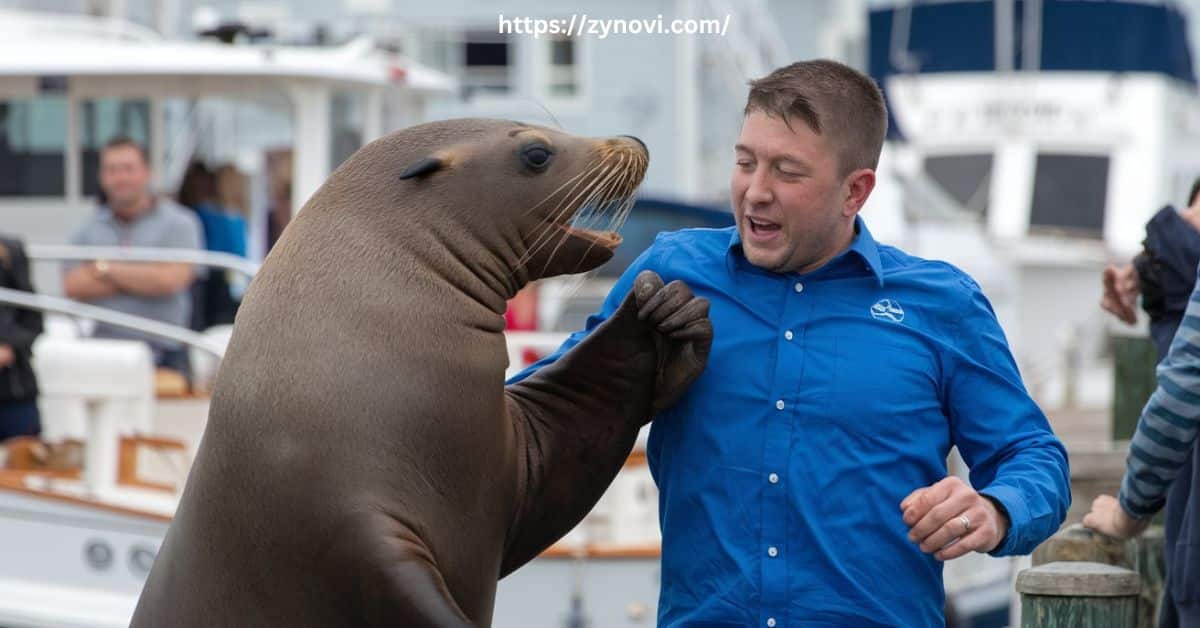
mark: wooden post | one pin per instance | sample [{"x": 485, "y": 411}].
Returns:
[
  {"x": 1143, "y": 555},
  {"x": 1058, "y": 595},
  {"x": 1134, "y": 359}
]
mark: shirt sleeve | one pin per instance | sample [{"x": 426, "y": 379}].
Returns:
[
  {"x": 1001, "y": 433},
  {"x": 1166, "y": 431},
  {"x": 611, "y": 303}
]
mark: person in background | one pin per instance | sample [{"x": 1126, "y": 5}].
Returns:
[
  {"x": 1164, "y": 274},
  {"x": 19, "y": 327},
  {"x": 135, "y": 217},
  {"x": 224, "y": 232}
]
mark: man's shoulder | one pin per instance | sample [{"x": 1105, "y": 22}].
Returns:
[
  {"x": 699, "y": 242},
  {"x": 171, "y": 211},
  {"x": 900, "y": 265}
]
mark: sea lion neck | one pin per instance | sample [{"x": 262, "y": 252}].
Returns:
[{"x": 475, "y": 261}]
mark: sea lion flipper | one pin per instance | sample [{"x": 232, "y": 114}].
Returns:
[{"x": 577, "y": 418}]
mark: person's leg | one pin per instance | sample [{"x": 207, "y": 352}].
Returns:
[{"x": 19, "y": 418}]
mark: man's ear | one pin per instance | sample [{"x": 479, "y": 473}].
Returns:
[
  {"x": 423, "y": 167},
  {"x": 858, "y": 187}
]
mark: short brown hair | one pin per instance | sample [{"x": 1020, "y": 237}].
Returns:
[
  {"x": 834, "y": 100},
  {"x": 124, "y": 140}
]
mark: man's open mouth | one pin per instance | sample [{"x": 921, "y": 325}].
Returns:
[{"x": 762, "y": 227}]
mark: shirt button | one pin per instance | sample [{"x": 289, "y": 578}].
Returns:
[
  {"x": 773, "y": 478},
  {"x": 779, "y": 405},
  {"x": 799, "y": 287},
  {"x": 770, "y": 622},
  {"x": 772, "y": 551},
  {"x": 788, "y": 334}
]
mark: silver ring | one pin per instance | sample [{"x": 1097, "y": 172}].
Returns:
[{"x": 966, "y": 523}]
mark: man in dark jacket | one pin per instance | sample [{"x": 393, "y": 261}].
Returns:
[
  {"x": 1165, "y": 275},
  {"x": 18, "y": 328}
]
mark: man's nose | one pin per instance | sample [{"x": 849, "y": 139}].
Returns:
[{"x": 759, "y": 191}]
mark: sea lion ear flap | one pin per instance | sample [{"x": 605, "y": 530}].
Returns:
[{"x": 422, "y": 168}]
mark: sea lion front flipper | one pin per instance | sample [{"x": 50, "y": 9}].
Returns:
[
  {"x": 576, "y": 419},
  {"x": 685, "y": 334}
]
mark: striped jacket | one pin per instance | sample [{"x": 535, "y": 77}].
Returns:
[{"x": 1166, "y": 431}]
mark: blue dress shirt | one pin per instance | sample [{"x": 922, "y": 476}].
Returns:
[{"x": 828, "y": 397}]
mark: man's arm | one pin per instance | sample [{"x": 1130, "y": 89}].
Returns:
[
  {"x": 1018, "y": 466},
  {"x": 154, "y": 279},
  {"x": 1167, "y": 429},
  {"x": 86, "y": 283}
]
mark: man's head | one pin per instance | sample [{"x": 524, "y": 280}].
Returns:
[
  {"x": 805, "y": 163},
  {"x": 125, "y": 176}
]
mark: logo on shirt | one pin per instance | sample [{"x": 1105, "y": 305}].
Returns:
[{"x": 888, "y": 309}]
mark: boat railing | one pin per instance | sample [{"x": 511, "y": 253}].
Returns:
[
  {"x": 75, "y": 309},
  {"x": 213, "y": 259}
]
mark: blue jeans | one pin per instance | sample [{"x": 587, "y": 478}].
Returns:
[{"x": 19, "y": 418}]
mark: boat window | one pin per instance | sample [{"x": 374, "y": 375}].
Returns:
[
  {"x": 100, "y": 121},
  {"x": 33, "y": 141},
  {"x": 563, "y": 71},
  {"x": 965, "y": 177},
  {"x": 1069, "y": 193},
  {"x": 486, "y": 57}
]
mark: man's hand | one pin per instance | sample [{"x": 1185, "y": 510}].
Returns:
[
  {"x": 1121, "y": 292},
  {"x": 1107, "y": 517},
  {"x": 7, "y": 356},
  {"x": 935, "y": 517}
]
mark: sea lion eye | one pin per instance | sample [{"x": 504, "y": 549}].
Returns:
[{"x": 536, "y": 156}]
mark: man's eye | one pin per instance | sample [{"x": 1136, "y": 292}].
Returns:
[{"x": 745, "y": 164}]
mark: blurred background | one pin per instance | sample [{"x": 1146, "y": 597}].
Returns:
[{"x": 1029, "y": 144}]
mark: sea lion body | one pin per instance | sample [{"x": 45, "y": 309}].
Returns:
[{"x": 363, "y": 463}]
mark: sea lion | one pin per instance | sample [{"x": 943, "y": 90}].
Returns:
[{"x": 363, "y": 463}]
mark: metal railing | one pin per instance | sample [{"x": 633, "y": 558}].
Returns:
[
  {"x": 65, "y": 252},
  {"x": 147, "y": 326}
]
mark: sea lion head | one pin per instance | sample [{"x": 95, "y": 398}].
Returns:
[{"x": 542, "y": 201}]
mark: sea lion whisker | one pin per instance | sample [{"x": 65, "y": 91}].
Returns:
[
  {"x": 553, "y": 218},
  {"x": 566, "y": 235},
  {"x": 610, "y": 184},
  {"x": 581, "y": 175},
  {"x": 542, "y": 242},
  {"x": 545, "y": 229}
]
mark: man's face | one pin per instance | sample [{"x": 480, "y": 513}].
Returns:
[
  {"x": 788, "y": 197},
  {"x": 124, "y": 177}
]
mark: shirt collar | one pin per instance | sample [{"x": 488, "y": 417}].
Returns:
[{"x": 864, "y": 246}]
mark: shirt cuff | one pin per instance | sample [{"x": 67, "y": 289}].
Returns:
[
  {"x": 1018, "y": 517},
  {"x": 1135, "y": 512}
]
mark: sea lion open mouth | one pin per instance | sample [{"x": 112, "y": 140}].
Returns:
[{"x": 607, "y": 239}]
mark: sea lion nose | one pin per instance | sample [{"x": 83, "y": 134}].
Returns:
[{"x": 639, "y": 141}]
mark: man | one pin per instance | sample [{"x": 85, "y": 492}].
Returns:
[
  {"x": 803, "y": 477},
  {"x": 1165, "y": 440},
  {"x": 135, "y": 217},
  {"x": 1165, "y": 274}
]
